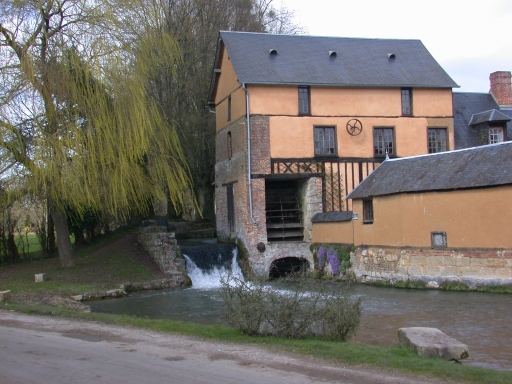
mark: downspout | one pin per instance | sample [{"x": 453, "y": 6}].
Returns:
[{"x": 249, "y": 182}]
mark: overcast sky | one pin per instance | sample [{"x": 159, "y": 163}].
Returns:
[{"x": 469, "y": 38}]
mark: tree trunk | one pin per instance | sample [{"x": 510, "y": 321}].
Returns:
[
  {"x": 63, "y": 242},
  {"x": 51, "y": 247}
]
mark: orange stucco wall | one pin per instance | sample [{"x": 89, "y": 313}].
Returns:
[
  {"x": 476, "y": 218},
  {"x": 228, "y": 85},
  {"x": 333, "y": 233},
  {"x": 410, "y": 135}
]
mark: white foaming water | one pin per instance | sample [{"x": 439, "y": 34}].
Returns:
[{"x": 211, "y": 279}]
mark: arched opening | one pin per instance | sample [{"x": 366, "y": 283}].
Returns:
[{"x": 286, "y": 265}]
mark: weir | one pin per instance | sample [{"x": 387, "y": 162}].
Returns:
[{"x": 208, "y": 264}]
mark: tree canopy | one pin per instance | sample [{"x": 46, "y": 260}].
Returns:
[{"x": 77, "y": 125}]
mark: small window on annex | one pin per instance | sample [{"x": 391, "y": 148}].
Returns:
[
  {"x": 383, "y": 142},
  {"x": 495, "y": 135},
  {"x": 436, "y": 140},
  {"x": 406, "y": 101},
  {"x": 439, "y": 239},
  {"x": 304, "y": 100},
  {"x": 325, "y": 141},
  {"x": 367, "y": 211}
]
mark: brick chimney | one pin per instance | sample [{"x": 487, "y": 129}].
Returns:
[{"x": 501, "y": 87}]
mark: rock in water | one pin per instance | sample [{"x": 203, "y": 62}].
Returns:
[{"x": 431, "y": 342}]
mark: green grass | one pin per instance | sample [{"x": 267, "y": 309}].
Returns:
[
  {"x": 106, "y": 265},
  {"x": 97, "y": 267}
]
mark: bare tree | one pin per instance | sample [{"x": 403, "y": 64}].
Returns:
[{"x": 181, "y": 94}]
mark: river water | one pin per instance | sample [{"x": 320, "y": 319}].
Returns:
[{"x": 483, "y": 321}]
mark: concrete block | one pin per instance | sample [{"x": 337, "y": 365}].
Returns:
[
  {"x": 431, "y": 342},
  {"x": 40, "y": 277},
  {"x": 5, "y": 296}
]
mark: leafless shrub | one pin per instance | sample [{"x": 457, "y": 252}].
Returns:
[{"x": 292, "y": 307}]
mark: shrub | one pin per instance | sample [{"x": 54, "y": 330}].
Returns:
[{"x": 292, "y": 307}]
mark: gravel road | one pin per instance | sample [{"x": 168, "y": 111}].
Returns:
[{"x": 37, "y": 349}]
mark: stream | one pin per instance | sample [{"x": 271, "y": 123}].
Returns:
[{"x": 483, "y": 321}]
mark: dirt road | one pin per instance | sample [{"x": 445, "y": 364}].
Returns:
[{"x": 36, "y": 349}]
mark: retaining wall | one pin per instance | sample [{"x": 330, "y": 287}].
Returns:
[
  {"x": 163, "y": 250},
  {"x": 433, "y": 266}
]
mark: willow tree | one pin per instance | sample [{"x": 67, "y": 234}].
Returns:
[{"x": 76, "y": 122}]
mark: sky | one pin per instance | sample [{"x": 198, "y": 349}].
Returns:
[{"x": 469, "y": 38}]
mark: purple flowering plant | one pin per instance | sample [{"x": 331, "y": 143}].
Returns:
[
  {"x": 321, "y": 258},
  {"x": 332, "y": 258}
]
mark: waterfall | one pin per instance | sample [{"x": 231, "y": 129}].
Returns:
[{"x": 206, "y": 265}]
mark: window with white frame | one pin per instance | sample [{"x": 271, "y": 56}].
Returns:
[{"x": 495, "y": 135}]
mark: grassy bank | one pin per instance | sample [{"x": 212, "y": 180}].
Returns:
[{"x": 116, "y": 259}]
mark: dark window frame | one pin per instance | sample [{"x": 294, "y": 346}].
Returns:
[
  {"x": 444, "y": 238},
  {"x": 368, "y": 216},
  {"x": 437, "y": 130},
  {"x": 230, "y": 145},
  {"x": 230, "y": 207},
  {"x": 229, "y": 108},
  {"x": 406, "y": 98},
  {"x": 304, "y": 104},
  {"x": 323, "y": 147},
  {"x": 385, "y": 145}
]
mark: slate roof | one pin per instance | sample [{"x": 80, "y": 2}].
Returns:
[
  {"x": 327, "y": 217},
  {"x": 467, "y": 104},
  {"x": 485, "y": 166},
  {"x": 305, "y": 60},
  {"x": 488, "y": 117}
]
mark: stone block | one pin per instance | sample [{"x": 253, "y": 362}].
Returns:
[
  {"x": 503, "y": 272},
  {"x": 471, "y": 271},
  {"x": 452, "y": 271},
  {"x": 40, "y": 277},
  {"x": 77, "y": 297},
  {"x": 487, "y": 272},
  {"x": 435, "y": 260},
  {"x": 431, "y": 342},
  {"x": 507, "y": 263},
  {"x": 5, "y": 296},
  {"x": 433, "y": 270},
  {"x": 416, "y": 270},
  {"x": 115, "y": 293},
  {"x": 418, "y": 260}
]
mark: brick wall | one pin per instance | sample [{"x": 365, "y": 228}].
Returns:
[
  {"x": 501, "y": 87},
  {"x": 433, "y": 266},
  {"x": 252, "y": 231}
]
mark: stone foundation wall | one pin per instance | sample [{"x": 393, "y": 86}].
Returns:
[
  {"x": 433, "y": 266},
  {"x": 163, "y": 249}
]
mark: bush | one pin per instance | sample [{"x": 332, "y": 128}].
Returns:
[{"x": 292, "y": 307}]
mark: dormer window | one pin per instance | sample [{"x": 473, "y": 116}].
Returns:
[
  {"x": 495, "y": 135},
  {"x": 304, "y": 100}
]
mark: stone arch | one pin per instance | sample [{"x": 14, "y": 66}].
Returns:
[{"x": 285, "y": 265}]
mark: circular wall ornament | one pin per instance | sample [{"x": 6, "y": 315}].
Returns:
[{"x": 354, "y": 127}]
